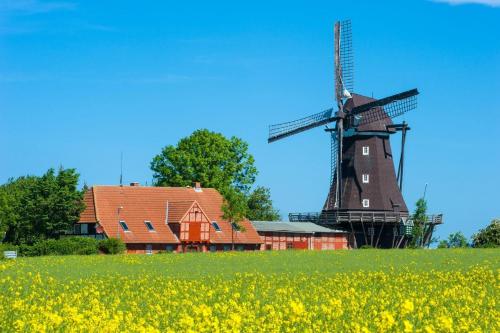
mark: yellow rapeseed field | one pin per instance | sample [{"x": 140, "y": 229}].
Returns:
[{"x": 329, "y": 291}]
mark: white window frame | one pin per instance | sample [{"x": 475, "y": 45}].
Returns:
[
  {"x": 152, "y": 226},
  {"x": 216, "y": 226},
  {"x": 366, "y": 203},
  {"x": 366, "y": 178},
  {"x": 123, "y": 221},
  {"x": 366, "y": 150}
]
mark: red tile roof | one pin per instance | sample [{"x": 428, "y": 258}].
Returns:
[
  {"x": 177, "y": 210},
  {"x": 88, "y": 215},
  {"x": 142, "y": 203}
]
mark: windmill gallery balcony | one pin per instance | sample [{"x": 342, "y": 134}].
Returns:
[
  {"x": 332, "y": 217},
  {"x": 367, "y": 228}
]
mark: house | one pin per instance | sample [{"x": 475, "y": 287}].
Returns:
[
  {"x": 149, "y": 219},
  {"x": 299, "y": 235}
]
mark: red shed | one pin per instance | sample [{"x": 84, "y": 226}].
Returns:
[{"x": 299, "y": 235}]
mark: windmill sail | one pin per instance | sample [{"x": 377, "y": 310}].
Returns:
[
  {"x": 391, "y": 107},
  {"x": 283, "y": 130},
  {"x": 346, "y": 55}
]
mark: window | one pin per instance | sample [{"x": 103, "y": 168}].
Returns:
[
  {"x": 366, "y": 150},
  {"x": 366, "y": 203},
  {"x": 235, "y": 227},
  {"x": 169, "y": 248},
  {"x": 85, "y": 229},
  {"x": 366, "y": 178},
  {"x": 227, "y": 247},
  {"x": 240, "y": 247},
  {"x": 216, "y": 226},
  {"x": 149, "y": 249},
  {"x": 213, "y": 248},
  {"x": 124, "y": 226},
  {"x": 149, "y": 225}
]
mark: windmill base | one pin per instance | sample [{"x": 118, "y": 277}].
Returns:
[{"x": 373, "y": 229}]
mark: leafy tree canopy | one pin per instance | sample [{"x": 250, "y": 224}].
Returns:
[
  {"x": 457, "y": 239},
  {"x": 215, "y": 161},
  {"x": 34, "y": 208},
  {"x": 206, "y": 157},
  {"x": 419, "y": 218},
  {"x": 260, "y": 206},
  {"x": 489, "y": 236}
]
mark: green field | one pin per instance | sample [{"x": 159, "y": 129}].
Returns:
[{"x": 357, "y": 291}]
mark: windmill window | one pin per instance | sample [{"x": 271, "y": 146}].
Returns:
[
  {"x": 124, "y": 226},
  {"x": 216, "y": 226},
  {"x": 366, "y": 178},
  {"x": 366, "y": 150},
  {"x": 366, "y": 203},
  {"x": 149, "y": 225}
]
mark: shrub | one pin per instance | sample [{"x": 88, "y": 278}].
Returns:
[
  {"x": 489, "y": 236},
  {"x": 366, "y": 247},
  {"x": 63, "y": 246},
  {"x": 112, "y": 246},
  {"x": 443, "y": 244}
]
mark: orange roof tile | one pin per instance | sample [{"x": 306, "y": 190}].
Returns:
[
  {"x": 140, "y": 203},
  {"x": 88, "y": 215},
  {"x": 177, "y": 210}
]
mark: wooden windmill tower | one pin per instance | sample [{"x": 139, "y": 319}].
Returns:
[{"x": 365, "y": 191}]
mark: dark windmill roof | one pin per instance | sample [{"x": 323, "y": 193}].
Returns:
[{"x": 358, "y": 100}]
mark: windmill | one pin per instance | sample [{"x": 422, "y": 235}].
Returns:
[{"x": 364, "y": 192}]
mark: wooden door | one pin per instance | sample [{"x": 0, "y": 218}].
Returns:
[{"x": 194, "y": 232}]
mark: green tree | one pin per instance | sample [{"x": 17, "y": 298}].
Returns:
[
  {"x": 34, "y": 208},
  {"x": 260, "y": 206},
  {"x": 235, "y": 210},
  {"x": 489, "y": 236},
  {"x": 457, "y": 239},
  {"x": 218, "y": 162},
  {"x": 419, "y": 218},
  {"x": 443, "y": 244},
  {"x": 206, "y": 157}
]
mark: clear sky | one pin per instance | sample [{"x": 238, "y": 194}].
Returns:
[{"x": 82, "y": 81}]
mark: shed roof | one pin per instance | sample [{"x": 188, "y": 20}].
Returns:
[{"x": 292, "y": 227}]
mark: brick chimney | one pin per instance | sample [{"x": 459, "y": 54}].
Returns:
[{"x": 135, "y": 184}]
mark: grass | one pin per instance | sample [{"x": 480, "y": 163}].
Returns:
[
  {"x": 195, "y": 265},
  {"x": 296, "y": 291}
]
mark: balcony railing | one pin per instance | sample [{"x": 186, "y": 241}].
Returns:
[{"x": 333, "y": 217}]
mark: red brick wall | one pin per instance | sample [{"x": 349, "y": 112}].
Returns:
[{"x": 284, "y": 241}]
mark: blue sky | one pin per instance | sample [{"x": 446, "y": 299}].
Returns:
[{"x": 81, "y": 81}]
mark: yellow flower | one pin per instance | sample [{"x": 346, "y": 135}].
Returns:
[{"x": 408, "y": 327}]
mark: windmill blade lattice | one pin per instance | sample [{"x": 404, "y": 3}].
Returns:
[
  {"x": 283, "y": 130},
  {"x": 346, "y": 55},
  {"x": 333, "y": 156},
  {"x": 389, "y": 107}
]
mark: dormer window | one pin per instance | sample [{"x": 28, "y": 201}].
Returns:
[
  {"x": 366, "y": 150},
  {"x": 216, "y": 226},
  {"x": 124, "y": 226},
  {"x": 366, "y": 178},
  {"x": 149, "y": 225}
]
